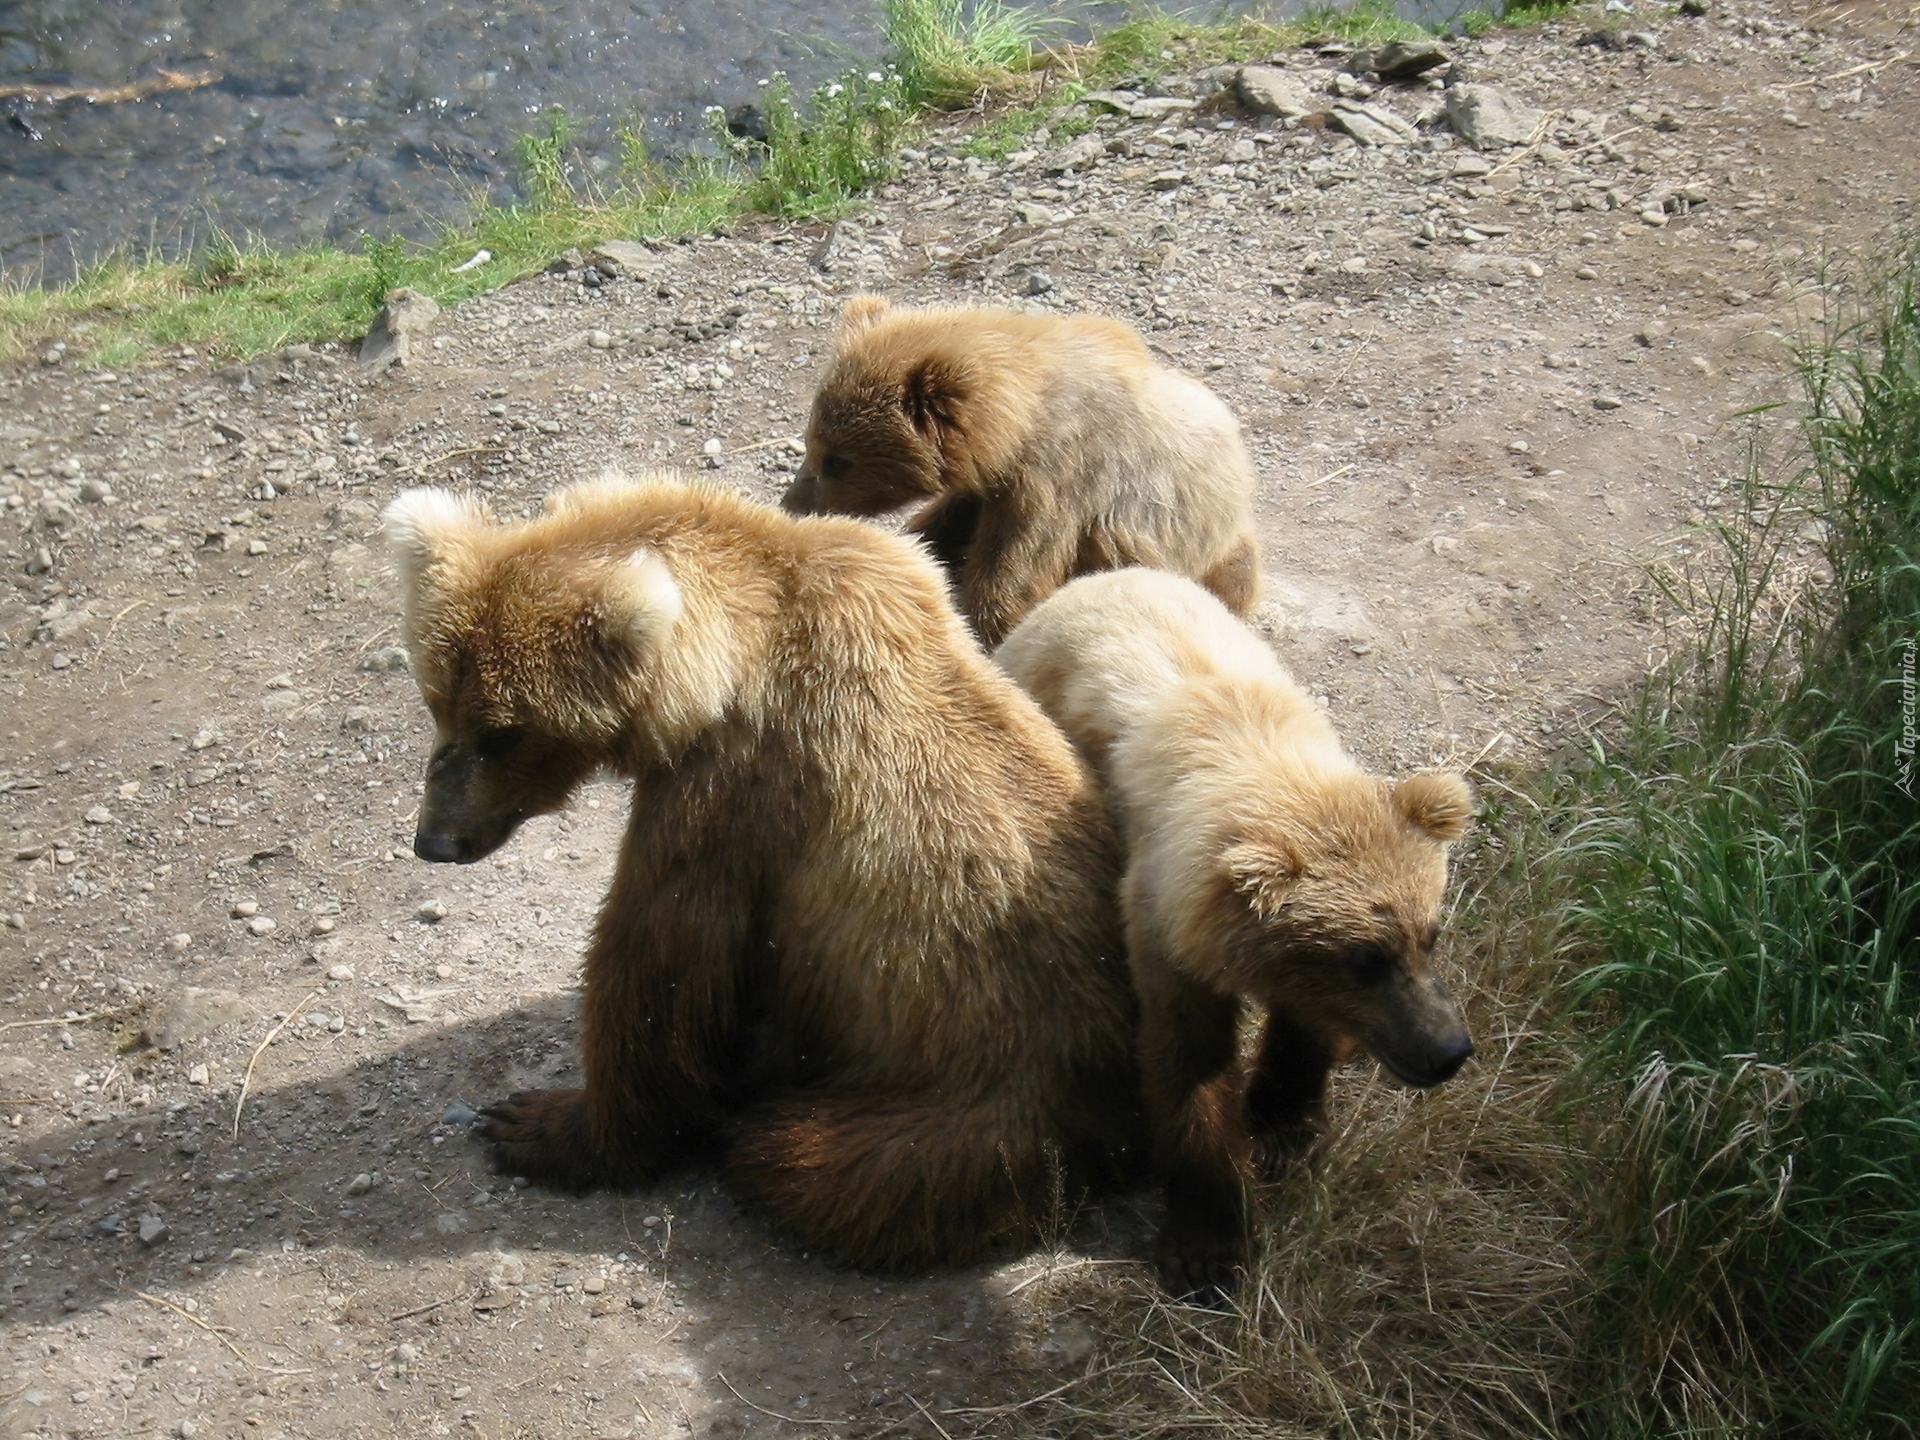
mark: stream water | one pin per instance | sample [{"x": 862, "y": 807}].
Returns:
[{"x": 304, "y": 120}]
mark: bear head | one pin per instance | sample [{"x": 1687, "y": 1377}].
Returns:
[
  {"x": 891, "y": 419},
  {"x": 1328, "y": 907},
  {"x": 529, "y": 643}
]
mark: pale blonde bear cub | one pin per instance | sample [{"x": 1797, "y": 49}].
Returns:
[
  {"x": 1039, "y": 447},
  {"x": 1264, "y": 867}
]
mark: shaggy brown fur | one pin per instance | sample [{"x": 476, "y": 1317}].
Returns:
[
  {"x": 1264, "y": 866},
  {"x": 1048, "y": 446},
  {"x": 863, "y": 934}
]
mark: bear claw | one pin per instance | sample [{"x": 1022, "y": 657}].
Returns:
[
  {"x": 1202, "y": 1270},
  {"x": 539, "y": 1134}
]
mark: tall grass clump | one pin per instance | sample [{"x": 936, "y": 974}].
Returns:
[
  {"x": 815, "y": 161},
  {"x": 1749, "y": 859},
  {"x": 951, "y": 52}
]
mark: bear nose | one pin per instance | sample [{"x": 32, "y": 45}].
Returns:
[
  {"x": 799, "y": 497},
  {"x": 1449, "y": 1054},
  {"x": 441, "y": 849}
]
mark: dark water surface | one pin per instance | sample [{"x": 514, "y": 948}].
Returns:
[
  {"x": 333, "y": 117},
  {"x": 337, "y": 116}
]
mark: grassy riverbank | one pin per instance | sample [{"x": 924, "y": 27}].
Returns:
[
  {"x": 242, "y": 297},
  {"x": 1680, "y": 1193}
]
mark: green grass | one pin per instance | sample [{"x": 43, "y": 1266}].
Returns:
[
  {"x": 814, "y": 162},
  {"x": 246, "y": 297},
  {"x": 1750, "y": 863},
  {"x": 952, "y": 53},
  {"x": 1678, "y": 1192}
]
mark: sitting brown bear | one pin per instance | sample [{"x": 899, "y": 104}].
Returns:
[
  {"x": 862, "y": 938},
  {"x": 1047, "y": 446}
]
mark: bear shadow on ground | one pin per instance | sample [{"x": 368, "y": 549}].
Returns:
[{"x": 296, "y": 1183}]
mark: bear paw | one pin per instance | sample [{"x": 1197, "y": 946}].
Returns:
[
  {"x": 1275, "y": 1147},
  {"x": 1200, "y": 1266},
  {"x": 543, "y": 1135}
]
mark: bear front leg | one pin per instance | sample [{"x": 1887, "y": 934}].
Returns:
[
  {"x": 1198, "y": 1113},
  {"x": 658, "y": 1023},
  {"x": 946, "y": 528},
  {"x": 1016, "y": 560},
  {"x": 1287, "y": 1096}
]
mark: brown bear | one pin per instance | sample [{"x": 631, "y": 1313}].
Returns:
[
  {"x": 1045, "y": 446},
  {"x": 863, "y": 936},
  {"x": 1264, "y": 867}
]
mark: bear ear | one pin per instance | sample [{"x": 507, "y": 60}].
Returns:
[
  {"x": 861, "y": 311},
  {"x": 936, "y": 392},
  {"x": 644, "y": 601},
  {"x": 1441, "y": 805},
  {"x": 421, "y": 524},
  {"x": 1265, "y": 873}
]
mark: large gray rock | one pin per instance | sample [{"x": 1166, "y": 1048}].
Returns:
[
  {"x": 389, "y": 341},
  {"x": 1488, "y": 118},
  {"x": 1371, "y": 125},
  {"x": 1405, "y": 59},
  {"x": 194, "y": 1012},
  {"x": 1085, "y": 151},
  {"x": 623, "y": 258},
  {"x": 1269, "y": 90}
]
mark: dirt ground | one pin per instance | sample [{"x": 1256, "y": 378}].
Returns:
[{"x": 1471, "y": 450}]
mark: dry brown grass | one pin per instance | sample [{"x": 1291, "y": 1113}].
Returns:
[{"x": 1419, "y": 1277}]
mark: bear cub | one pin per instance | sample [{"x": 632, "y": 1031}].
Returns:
[
  {"x": 1264, "y": 868},
  {"x": 1039, "y": 447},
  {"x": 862, "y": 938}
]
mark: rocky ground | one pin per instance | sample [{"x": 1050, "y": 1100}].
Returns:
[{"x": 243, "y": 1027}]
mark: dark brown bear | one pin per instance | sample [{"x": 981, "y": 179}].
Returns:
[{"x": 862, "y": 938}]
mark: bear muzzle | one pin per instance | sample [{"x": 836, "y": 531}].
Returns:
[
  {"x": 803, "y": 495},
  {"x": 1423, "y": 1067},
  {"x": 1421, "y": 1039}
]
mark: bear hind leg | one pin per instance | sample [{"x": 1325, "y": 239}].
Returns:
[
  {"x": 896, "y": 1182},
  {"x": 1235, "y": 578}
]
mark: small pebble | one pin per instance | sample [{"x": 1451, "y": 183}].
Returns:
[
  {"x": 1607, "y": 402},
  {"x": 179, "y": 943},
  {"x": 261, "y": 925},
  {"x": 431, "y": 911},
  {"x": 458, "y": 1113},
  {"x": 246, "y": 909},
  {"x": 197, "y": 1075}
]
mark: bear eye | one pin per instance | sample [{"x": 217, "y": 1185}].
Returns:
[
  {"x": 835, "y": 466},
  {"x": 1370, "y": 965},
  {"x": 499, "y": 743}
]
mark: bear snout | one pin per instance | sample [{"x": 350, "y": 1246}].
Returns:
[
  {"x": 440, "y": 849},
  {"x": 1448, "y": 1054},
  {"x": 802, "y": 497}
]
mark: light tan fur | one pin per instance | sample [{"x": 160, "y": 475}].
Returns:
[
  {"x": 1040, "y": 447},
  {"x": 862, "y": 936},
  {"x": 1264, "y": 866}
]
